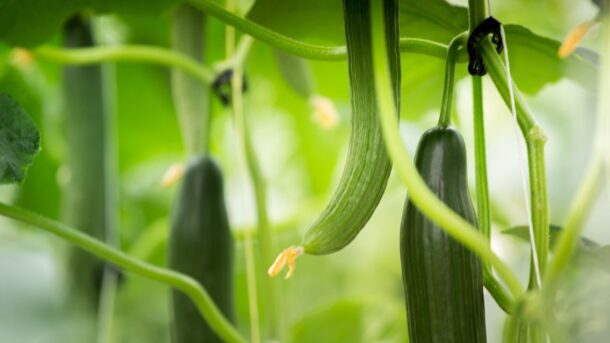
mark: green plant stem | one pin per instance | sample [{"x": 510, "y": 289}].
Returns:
[
  {"x": 492, "y": 285},
  {"x": 594, "y": 175},
  {"x": 257, "y": 180},
  {"x": 477, "y": 12},
  {"x": 166, "y": 57},
  {"x": 419, "y": 192},
  {"x": 181, "y": 282},
  {"x": 106, "y": 306},
  {"x": 480, "y": 159},
  {"x": 535, "y": 141},
  {"x": 238, "y": 58},
  {"x": 110, "y": 281},
  {"x": 446, "y": 106},
  {"x": 568, "y": 239},
  {"x": 125, "y": 53},
  {"x": 497, "y": 291},
  {"x": 300, "y": 48},
  {"x": 511, "y": 330}
]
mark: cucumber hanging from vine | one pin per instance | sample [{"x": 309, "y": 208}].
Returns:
[
  {"x": 368, "y": 166},
  {"x": 201, "y": 246},
  {"x": 200, "y": 243},
  {"x": 87, "y": 203},
  {"x": 442, "y": 279}
]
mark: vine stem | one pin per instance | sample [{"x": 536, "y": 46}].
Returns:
[
  {"x": 481, "y": 159},
  {"x": 535, "y": 140},
  {"x": 594, "y": 175},
  {"x": 419, "y": 192},
  {"x": 239, "y": 122},
  {"x": 492, "y": 285},
  {"x": 452, "y": 52},
  {"x": 169, "y": 58},
  {"x": 181, "y": 282},
  {"x": 252, "y": 167},
  {"x": 300, "y": 48},
  {"x": 477, "y": 12},
  {"x": 132, "y": 53},
  {"x": 238, "y": 58}
]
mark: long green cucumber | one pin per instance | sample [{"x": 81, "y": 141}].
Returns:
[
  {"x": 87, "y": 201},
  {"x": 368, "y": 166},
  {"x": 201, "y": 246},
  {"x": 443, "y": 281}
]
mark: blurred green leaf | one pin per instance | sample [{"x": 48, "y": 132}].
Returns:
[
  {"x": 522, "y": 232},
  {"x": 19, "y": 141},
  {"x": 313, "y": 21},
  {"x": 435, "y": 20}
]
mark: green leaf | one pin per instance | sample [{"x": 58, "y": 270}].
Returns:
[
  {"x": 534, "y": 62},
  {"x": 522, "y": 232},
  {"x": 435, "y": 20},
  {"x": 312, "y": 21},
  {"x": 19, "y": 141}
]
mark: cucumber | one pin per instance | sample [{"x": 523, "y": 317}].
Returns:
[
  {"x": 201, "y": 245},
  {"x": 87, "y": 202},
  {"x": 368, "y": 165},
  {"x": 443, "y": 281}
]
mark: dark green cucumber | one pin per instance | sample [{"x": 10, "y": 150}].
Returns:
[
  {"x": 87, "y": 202},
  {"x": 201, "y": 245},
  {"x": 443, "y": 281}
]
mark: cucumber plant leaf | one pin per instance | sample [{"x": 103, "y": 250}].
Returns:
[
  {"x": 588, "y": 254},
  {"x": 522, "y": 232},
  {"x": 19, "y": 141}
]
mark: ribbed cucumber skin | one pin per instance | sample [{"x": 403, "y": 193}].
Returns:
[
  {"x": 85, "y": 203},
  {"x": 368, "y": 166},
  {"x": 201, "y": 245},
  {"x": 443, "y": 281}
]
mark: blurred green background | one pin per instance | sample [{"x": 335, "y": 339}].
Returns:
[{"x": 354, "y": 295}]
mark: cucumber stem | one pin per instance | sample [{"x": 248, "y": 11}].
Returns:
[
  {"x": 300, "y": 48},
  {"x": 179, "y": 281},
  {"x": 481, "y": 159},
  {"x": 127, "y": 53},
  {"x": 250, "y": 164},
  {"x": 458, "y": 41},
  {"x": 535, "y": 140}
]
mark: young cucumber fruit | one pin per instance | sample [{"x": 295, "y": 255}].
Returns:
[
  {"x": 201, "y": 245},
  {"x": 443, "y": 281},
  {"x": 368, "y": 166}
]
